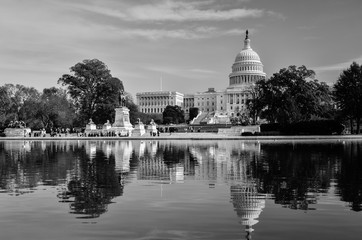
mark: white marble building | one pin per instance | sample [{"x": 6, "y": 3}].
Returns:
[
  {"x": 156, "y": 102},
  {"x": 246, "y": 70}
]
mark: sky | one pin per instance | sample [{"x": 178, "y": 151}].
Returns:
[{"x": 172, "y": 45}]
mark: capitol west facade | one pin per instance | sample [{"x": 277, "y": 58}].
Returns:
[{"x": 215, "y": 106}]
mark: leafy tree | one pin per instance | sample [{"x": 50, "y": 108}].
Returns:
[
  {"x": 29, "y": 113},
  {"x": 110, "y": 100},
  {"x": 147, "y": 117},
  {"x": 55, "y": 110},
  {"x": 92, "y": 88},
  {"x": 348, "y": 94},
  {"x": 291, "y": 95},
  {"x": 173, "y": 114},
  {"x": 4, "y": 106},
  {"x": 254, "y": 107},
  {"x": 133, "y": 108},
  {"x": 193, "y": 113},
  {"x": 15, "y": 99}
]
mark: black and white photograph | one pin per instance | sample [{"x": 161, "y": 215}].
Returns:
[{"x": 180, "y": 119}]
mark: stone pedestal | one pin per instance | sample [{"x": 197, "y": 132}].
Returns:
[
  {"x": 122, "y": 125},
  {"x": 90, "y": 126},
  {"x": 107, "y": 126},
  {"x": 139, "y": 129},
  {"x": 152, "y": 128},
  {"x": 17, "y": 132}
]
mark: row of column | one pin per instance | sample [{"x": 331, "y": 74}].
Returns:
[
  {"x": 235, "y": 98},
  {"x": 152, "y": 109},
  {"x": 244, "y": 79},
  {"x": 248, "y": 68},
  {"x": 157, "y": 100}
]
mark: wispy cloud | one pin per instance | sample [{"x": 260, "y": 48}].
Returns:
[
  {"x": 338, "y": 66},
  {"x": 202, "y": 71},
  {"x": 193, "y": 73},
  {"x": 176, "y": 11},
  {"x": 186, "y": 33},
  {"x": 181, "y": 11}
]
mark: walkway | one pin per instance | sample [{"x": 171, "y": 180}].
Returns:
[{"x": 199, "y": 136}]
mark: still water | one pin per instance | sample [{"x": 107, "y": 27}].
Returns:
[{"x": 180, "y": 190}]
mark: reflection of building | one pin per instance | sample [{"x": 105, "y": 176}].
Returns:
[
  {"x": 230, "y": 161},
  {"x": 221, "y": 160},
  {"x": 121, "y": 150},
  {"x": 91, "y": 149},
  {"x": 159, "y": 161},
  {"x": 122, "y": 155},
  {"x": 152, "y": 168},
  {"x": 247, "y": 69},
  {"x": 248, "y": 204}
]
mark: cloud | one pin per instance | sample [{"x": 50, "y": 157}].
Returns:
[
  {"x": 338, "y": 66},
  {"x": 187, "y": 33},
  {"x": 156, "y": 34},
  {"x": 176, "y": 11},
  {"x": 181, "y": 11},
  {"x": 203, "y": 71},
  {"x": 189, "y": 73}
]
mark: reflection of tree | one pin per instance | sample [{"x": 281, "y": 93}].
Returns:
[
  {"x": 172, "y": 155},
  {"x": 295, "y": 173},
  {"x": 25, "y": 165},
  {"x": 95, "y": 187},
  {"x": 349, "y": 180}
]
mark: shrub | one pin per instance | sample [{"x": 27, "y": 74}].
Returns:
[
  {"x": 247, "y": 134},
  {"x": 270, "y": 127}
]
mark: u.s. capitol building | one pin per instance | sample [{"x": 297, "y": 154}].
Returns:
[{"x": 215, "y": 106}]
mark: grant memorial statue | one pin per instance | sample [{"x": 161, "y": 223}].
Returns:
[{"x": 121, "y": 123}]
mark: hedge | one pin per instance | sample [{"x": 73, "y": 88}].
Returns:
[{"x": 316, "y": 127}]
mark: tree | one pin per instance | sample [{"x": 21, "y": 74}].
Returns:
[
  {"x": 348, "y": 94},
  {"x": 291, "y": 95},
  {"x": 146, "y": 117},
  {"x": 55, "y": 109},
  {"x": 253, "y": 106},
  {"x": 173, "y": 114},
  {"x": 14, "y": 101},
  {"x": 92, "y": 88},
  {"x": 133, "y": 108},
  {"x": 109, "y": 100},
  {"x": 193, "y": 113}
]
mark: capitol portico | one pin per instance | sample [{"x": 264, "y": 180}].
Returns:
[
  {"x": 219, "y": 106},
  {"x": 156, "y": 102}
]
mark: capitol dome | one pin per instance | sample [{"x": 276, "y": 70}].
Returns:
[
  {"x": 247, "y": 68},
  {"x": 247, "y": 54}
]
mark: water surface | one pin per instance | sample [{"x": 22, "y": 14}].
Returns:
[{"x": 180, "y": 190}]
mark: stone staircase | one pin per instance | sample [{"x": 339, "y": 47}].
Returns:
[
  {"x": 199, "y": 118},
  {"x": 238, "y": 130}
]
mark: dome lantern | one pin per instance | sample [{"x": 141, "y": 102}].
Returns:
[
  {"x": 247, "y": 41},
  {"x": 247, "y": 68}
]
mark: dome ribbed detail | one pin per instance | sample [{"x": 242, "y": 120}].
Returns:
[{"x": 247, "y": 68}]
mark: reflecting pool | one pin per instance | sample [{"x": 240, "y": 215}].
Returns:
[{"x": 180, "y": 189}]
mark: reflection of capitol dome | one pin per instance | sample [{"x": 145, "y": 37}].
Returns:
[
  {"x": 248, "y": 204},
  {"x": 247, "y": 68}
]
